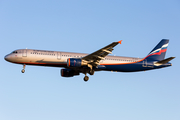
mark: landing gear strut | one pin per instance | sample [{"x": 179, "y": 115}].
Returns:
[
  {"x": 23, "y": 70},
  {"x": 91, "y": 72}
]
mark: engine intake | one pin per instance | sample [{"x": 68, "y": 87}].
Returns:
[
  {"x": 68, "y": 73},
  {"x": 73, "y": 62}
]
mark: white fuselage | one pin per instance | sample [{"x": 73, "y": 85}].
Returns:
[{"x": 57, "y": 58}]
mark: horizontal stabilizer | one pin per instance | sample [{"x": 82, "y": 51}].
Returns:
[{"x": 163, "y": 61}]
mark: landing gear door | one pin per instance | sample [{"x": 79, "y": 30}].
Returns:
[
  {"x": 58, "y": 55},
  {"x": 24, "y": 53}
]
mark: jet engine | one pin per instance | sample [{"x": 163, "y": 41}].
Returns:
[
  {"x": 68, "y": 73},
  {"x": 74, "y": 62}
]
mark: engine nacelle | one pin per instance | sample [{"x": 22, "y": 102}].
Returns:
[
  {"x": 68, "y": 73},
  {"x": 74, "y": 62}
]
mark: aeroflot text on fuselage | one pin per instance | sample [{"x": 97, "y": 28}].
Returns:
[{"x": 76, "y": 63}]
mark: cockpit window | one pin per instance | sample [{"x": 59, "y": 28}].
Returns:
[{"x": 14, "y": 52}]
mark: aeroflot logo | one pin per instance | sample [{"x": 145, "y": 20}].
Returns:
[{"x": 162, "y": 49}]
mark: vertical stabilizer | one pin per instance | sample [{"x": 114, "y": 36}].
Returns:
[{"x": 158, "y": 53}]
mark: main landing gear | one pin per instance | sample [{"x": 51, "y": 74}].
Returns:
[
  {"x": 91, "y": 72},
  {"x": 86, "y": 78},
  {"x": 23, "y": 70}
]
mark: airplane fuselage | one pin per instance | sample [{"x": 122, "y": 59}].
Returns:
[{"x": 59, "y": 59}]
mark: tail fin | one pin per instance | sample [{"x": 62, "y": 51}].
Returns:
[{"x": 158, "y": 53}]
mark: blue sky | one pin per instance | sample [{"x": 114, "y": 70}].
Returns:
[{"x": 86, "y": 26}]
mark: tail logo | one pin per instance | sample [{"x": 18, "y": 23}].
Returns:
[{"x": 159, "y": 51}]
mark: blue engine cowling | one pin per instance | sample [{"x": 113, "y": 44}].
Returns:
[
  {"x": 68, "y": 73},
  {"x": 73, "y": 62}
]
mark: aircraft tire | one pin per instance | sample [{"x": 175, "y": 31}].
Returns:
[
  {"x": 86, "y": 78},
  {"x": 22, "y": 70}
]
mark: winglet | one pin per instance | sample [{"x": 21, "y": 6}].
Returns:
[{"x": 120, "y": 41}]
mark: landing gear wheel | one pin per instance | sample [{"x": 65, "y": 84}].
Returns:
[
  {"x": 86, "y": 78},
  {"x": 22, "y": 70}
]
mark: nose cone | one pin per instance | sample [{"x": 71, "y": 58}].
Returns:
[{"x": 7, "y": 58}]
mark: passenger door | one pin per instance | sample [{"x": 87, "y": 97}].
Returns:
[
  {"x": 58, "y": 55},
  {"x": 24, "y": 53}
]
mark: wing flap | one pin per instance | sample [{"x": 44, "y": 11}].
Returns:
[{"x": 95, "y": 57}]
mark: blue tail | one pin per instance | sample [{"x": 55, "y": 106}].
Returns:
[{"x": 158, "y": 53}]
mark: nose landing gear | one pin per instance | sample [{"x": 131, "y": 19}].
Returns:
[{"x": 23, "y": 70}]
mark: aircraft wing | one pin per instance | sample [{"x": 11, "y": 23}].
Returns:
[{"x": 95, "y": 57}]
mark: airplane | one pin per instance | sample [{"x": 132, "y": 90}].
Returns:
[{"x": 76, "y": 63}]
